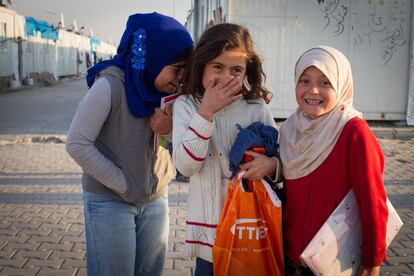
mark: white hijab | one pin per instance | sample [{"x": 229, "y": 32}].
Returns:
[{"x": 305, "y": 142}]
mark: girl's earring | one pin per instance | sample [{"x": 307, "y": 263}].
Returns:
[{"x": 179, "y": 88}]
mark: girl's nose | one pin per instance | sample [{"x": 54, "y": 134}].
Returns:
[
  {"x": 313, "y": 89},
  {"x": 230, "y": 74},
  {"x": 224, "y": 74}
]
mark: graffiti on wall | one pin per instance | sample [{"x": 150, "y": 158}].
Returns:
[
  {"x": 396, "y": 35},
  {"x": 382, "y": 23},
  {"x": 365, "y": 28},
  {"x": 334, "y": 13}
]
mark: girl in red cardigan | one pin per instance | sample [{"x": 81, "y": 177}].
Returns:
[{"x": 326, "y": 149}]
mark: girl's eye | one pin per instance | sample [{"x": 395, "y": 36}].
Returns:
[
  {"x": 237, "y": 71},
  {"x": 178, "y": 71},
  {"x": 216, "y": 66},
  {"x": 326, "y": 84},
  {"x": 303, "y": 81}
]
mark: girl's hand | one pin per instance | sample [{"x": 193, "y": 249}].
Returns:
[
  {"x": 259, "y": 167},
  {"x": 369, "y": 271},
  {"x": 161, "y": 120},
  {"x": 218, "y": 95}
]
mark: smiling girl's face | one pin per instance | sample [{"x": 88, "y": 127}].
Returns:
[
  {"x": 228, "y": 64},
  {"x": 170, "y": 77},
  {"x": 314, "y": 93}
]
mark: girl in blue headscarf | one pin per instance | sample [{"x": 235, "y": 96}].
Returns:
[{"x": 111, "y": 138}]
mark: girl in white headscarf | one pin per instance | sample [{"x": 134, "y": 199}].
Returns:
[{"x": 326, "y": 149}]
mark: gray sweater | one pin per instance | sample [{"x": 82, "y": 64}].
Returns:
[{"x": 115, "y": 149}]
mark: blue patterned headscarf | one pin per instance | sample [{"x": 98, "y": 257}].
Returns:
[{"x": 150, "y": 42}]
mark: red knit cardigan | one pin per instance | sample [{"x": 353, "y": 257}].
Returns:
[{"x": 357, "y": 162}]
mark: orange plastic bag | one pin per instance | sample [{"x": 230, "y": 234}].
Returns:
[{"x": 249, "y": 232}]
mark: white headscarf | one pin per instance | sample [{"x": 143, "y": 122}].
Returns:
[{"x": 305, "y": 142}]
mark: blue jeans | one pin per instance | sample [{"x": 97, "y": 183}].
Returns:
[
  {"x": 122, "y": 239},
  {"x": 203, "y": 267}
]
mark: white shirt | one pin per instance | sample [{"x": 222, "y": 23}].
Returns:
[{"x": 201, "y": 150}]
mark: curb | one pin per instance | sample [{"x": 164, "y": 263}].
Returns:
[
  {"x": 30, "y": 139},
  {"x": 38, "y": 85},
  {"x": 393, "y": 133}
]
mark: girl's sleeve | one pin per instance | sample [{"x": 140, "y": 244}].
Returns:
[
  {"x": 366, "y": 166},
  {"x": 91, "y": 114},
  {"x": 191, "y": 137}
]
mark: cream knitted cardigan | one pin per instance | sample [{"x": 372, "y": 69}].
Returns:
[{"x": 200, "y": 151}]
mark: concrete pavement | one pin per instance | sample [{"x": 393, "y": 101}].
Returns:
[{"x": 41, "y": 216}]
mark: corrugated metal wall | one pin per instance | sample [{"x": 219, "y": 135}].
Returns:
[
  {"x": 269, "y": 25},
  {"x": 374, "y": 34},
  {"x": 39, "y": 55},
  {"x": 67, "y": 53},
  {"x": 8, "y": 58}
]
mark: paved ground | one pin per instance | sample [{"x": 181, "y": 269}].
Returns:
[{"x": 41, "y": 218}]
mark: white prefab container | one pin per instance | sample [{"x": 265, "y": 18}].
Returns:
[
  {"x": 67, "y": 55},
  {"x": 104, "y": 50},
  {"x": 39, "y": 55},
  {"x": 375, "y": 35},
  {"x": 9, "y": 65},
  {"x": 101, "y": 51},
  {"x": 23, "y": 55},
  {"x": 9, "y": 61},
  {"x": 83, "y": 48}
]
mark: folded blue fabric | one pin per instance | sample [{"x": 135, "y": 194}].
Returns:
[{"x": 255, "y": 135}]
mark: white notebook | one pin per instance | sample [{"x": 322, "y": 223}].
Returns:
[{"x": 336, "y": 248}]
